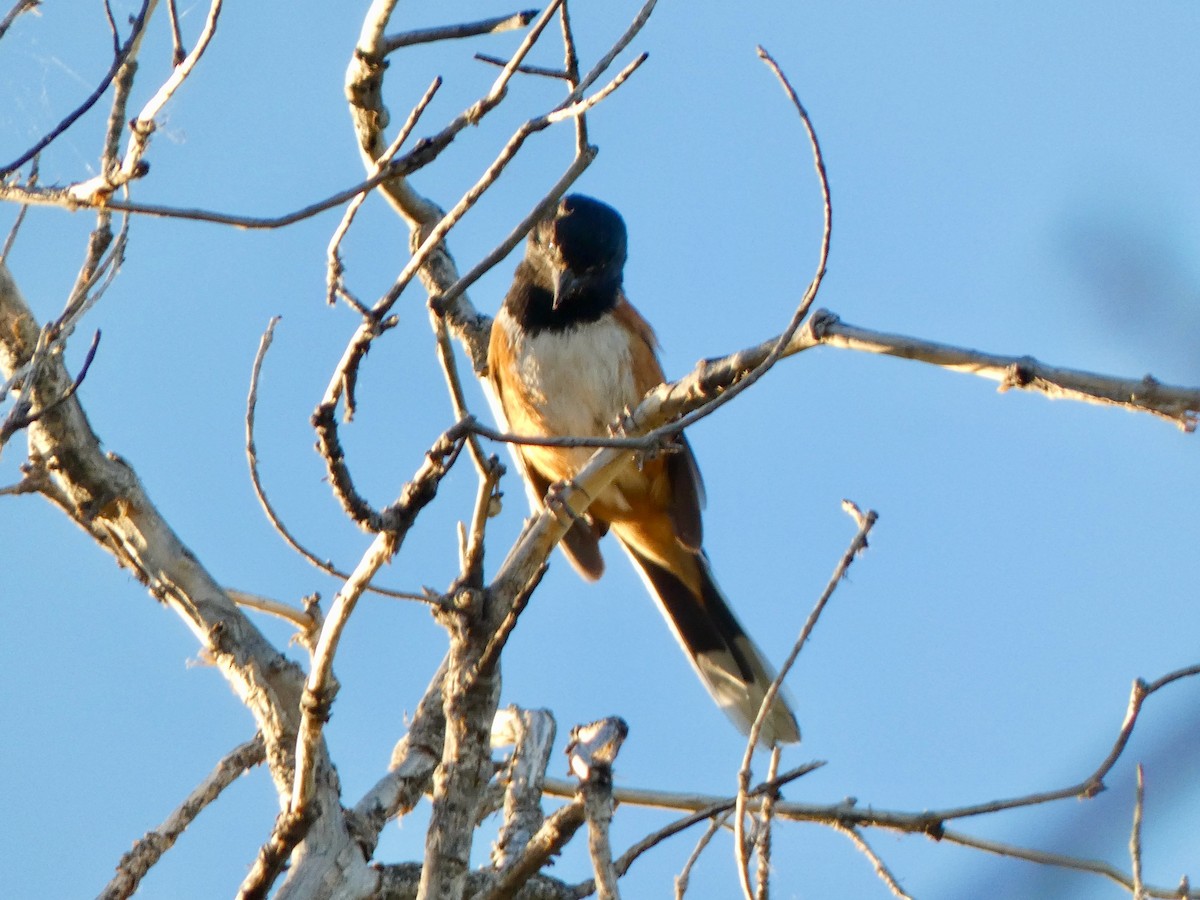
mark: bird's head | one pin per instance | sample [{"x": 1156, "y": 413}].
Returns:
[{"x": 579, "y": 251}]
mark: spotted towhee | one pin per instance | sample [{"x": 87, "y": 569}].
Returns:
[{"x": 568, "y": 355}]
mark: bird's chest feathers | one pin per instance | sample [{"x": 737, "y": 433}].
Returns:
[{"x": 576, "y": 381}]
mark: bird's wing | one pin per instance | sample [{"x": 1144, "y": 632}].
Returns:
[{"x": 685, "y": 489}]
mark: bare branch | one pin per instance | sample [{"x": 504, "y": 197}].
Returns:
[
  {"x": 290, "y": 829},
  {"x": 684, "y": 877},
  {"x": 260, "y": 492},
  {"x": 1180, "y": 405},
  {"x": 847, "y": 815},
  {"x": 489, "y": 467},
  {"x": 751, "y": 372},
  {"x": 62, "y": 197},
  {"x": 1135, "y": 836},
  {"x": 444, "y": 301},
  {"x": 103, "y": 495},
  {"x": 465, "y": 769},
  {"x": 542, "y": 71},
  {"x": 491, "y": 653},
  {"x": 705, "y": 808},
  {"x": 31, "y": 181},
  {"x": 112, "y": 176},
  {"x": 21, "y": 6},
  {"x": 320, "y": 687},
  {"x": 178, "y": 54},
  {"x": 1074, "y": 863},
  {"x": 531, "y": 734},
  {"x": 335, "y": 267},
  {"x": 857, "y": 545},
  {"x": 602, "y": 65},
  {"x": 119, "y": 59},
  {"x": 598, "y": 809},
  {"x": 554, "y": 834},
  {"x": 413, "y": 762},
  {"x": 571, "y": 69},
  {"x": 494, "y": 25},
  {"x": 147, "y": 851},
  {"x": 20, "y": 417},
  {"x": 881, "y": 869},
  {"x": 762, "y": 839},
  {"x": 302, "y": 620},
  {"x": 705, "y": 804}
]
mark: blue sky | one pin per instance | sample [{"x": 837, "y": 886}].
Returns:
[{"x": 1020, "y": 178}]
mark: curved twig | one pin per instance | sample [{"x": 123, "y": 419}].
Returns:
[{"x": 260, "y": 491}]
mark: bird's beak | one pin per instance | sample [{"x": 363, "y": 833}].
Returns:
[{"x": 563, "y": 286}]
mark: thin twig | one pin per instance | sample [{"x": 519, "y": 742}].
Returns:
[
  {"x": 63, "y": 197},
  {"x": 491, "y": 653},
  {"x": 443, "y": 301},
  {"x": 601, "y": 66},
  {"x": 335, "y": 267},
  {"x": 857, "y": 545},
  {"x": 138, "y": 26},
  {"x": 762, "y": 840},
  {"x": 19, "y": 418},
  {"x": 541, "y": 71},
  {"x": 571, "y": 67},
  {"x": 433, "y": 239},
  {"x": 178, "y": 54},
  {"x": 881, "y": 869},
  {"x": 1135, "y": 836},
  {"x": 684, "y": 877},
  {"x": 458, "y": 399},
  {"x": 705, "y": 808},
  {"x": 931, "y": 822},
  {"x": 1074, "y": 863},
  {"x": 260, "y": 491},
  {"x": 21, "y": 6},
  {"x": 494, "y": 25},
  {"x": 31, "y": 181},
  {"x": 320, "y": 687},
  {"x": 141, "y": 127},
  {"x": 780, "y": 344},
  {"x": 485, "y": 501}
]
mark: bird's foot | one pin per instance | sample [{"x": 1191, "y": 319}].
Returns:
[{"x": 556, "y": 501}]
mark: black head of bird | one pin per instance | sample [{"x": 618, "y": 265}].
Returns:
[{"x": 578, "y": 254}]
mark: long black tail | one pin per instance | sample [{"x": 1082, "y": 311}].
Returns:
[{"x": 727, "y": 661}]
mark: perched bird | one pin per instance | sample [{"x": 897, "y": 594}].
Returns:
[{"x": 568, "y": 355}]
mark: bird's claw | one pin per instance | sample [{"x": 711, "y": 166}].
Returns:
[{"x": 556, "y": 501}]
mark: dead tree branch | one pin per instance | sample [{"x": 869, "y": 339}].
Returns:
[
  {"x": 494, "y": 25},
  {"x": 147, "y": 851},
  {"x": 124, "y": 53}
]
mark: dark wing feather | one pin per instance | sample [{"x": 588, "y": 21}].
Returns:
[{"x": 686, "y": 488}]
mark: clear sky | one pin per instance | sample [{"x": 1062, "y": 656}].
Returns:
[{"x": 1021, "y": 178}]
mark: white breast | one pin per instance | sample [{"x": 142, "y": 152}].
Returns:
[{"x": 577, "y": 381}]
